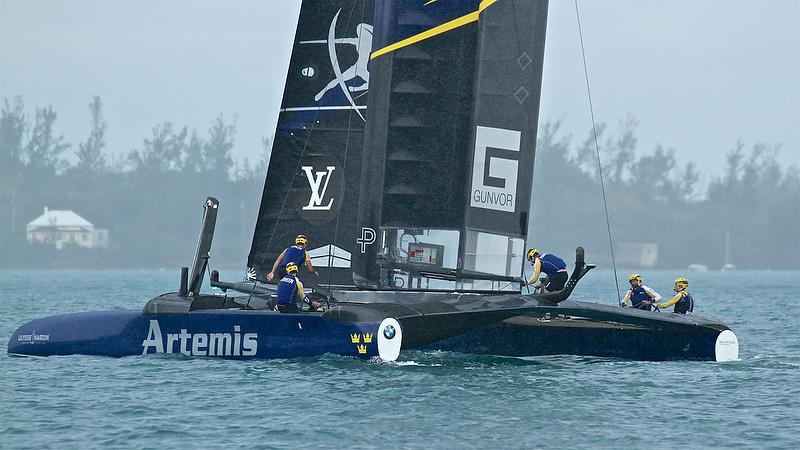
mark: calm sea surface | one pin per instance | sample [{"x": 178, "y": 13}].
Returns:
[{"x": 426, "y": 400}]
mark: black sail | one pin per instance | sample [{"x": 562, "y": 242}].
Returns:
[
  {"x": 314, "y": 170},
  {"x": 450, "y": 143}
]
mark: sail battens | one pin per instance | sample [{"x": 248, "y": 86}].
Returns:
[
  {"x": 407, "y": 156},
  {"x": 407, "y": 121},
  {"x": 402, "y": 190},
  {"x": 324, "y": 108},
  {"x": 412, "y": 87},
  {"x": 412, "y": 53}
]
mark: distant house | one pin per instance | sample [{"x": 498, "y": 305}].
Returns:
[
  {"x": 638, "y": 254},
  {"x": 60, "y": 228}
]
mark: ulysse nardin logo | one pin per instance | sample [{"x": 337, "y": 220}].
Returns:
[
  {"x": 33, "y": 338},
  {"x": 200, "y": 344},
  {"x": 318, "y": 180},
  {"x": 494, "y": 178}
]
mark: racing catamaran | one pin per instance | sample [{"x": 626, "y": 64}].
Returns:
[{"x": 415, "y": 197}]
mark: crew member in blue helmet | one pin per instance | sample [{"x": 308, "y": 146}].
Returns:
[
  {"x": 296, "y": 254},
  {"x": 640, "y": 296},
  {"x": 683, "y": 301},
  {"x": 552, "y": 265},
  {"x": 290, "y": 290}
]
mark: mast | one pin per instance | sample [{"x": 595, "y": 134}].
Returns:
[{"x": 727, "y": 247}]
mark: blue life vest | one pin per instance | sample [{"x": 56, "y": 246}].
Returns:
[
  {"x": 638, "y": 296},
  {"x": 287, "y": 290},
  {"x": 551, "y": 264},
  {"x": 295, "y": 254},
  {"x": 685, "y": 304}
]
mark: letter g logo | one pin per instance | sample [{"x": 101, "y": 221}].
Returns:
[{"x": 494, "y": 179}]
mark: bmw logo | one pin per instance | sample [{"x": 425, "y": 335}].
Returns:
[{"x": 389, "y": 331}]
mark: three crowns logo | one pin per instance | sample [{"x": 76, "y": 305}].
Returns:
[{"x": 355, "y": 338}]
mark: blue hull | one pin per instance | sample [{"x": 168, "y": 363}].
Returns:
[{"x": 231, "y": 334}]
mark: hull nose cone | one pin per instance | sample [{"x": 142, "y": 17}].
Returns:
[
  {"x": 727, "y": 347},
  {"x": 390, "y": 339}
]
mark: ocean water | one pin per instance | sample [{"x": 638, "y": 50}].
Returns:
[{"x": 425, "y": 400}]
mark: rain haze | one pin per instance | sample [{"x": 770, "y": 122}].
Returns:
[
  {"x": 696, "y": 75},
  {"x": 697, "y": 78},
  {"x": 373, "y": 268}
]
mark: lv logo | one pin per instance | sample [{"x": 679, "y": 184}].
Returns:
[{"x": 315, "y": 180}]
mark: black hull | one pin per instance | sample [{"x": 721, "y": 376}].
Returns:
[
  {"x": 567, "y": 328},
  {"x": 525, "y": 336}
]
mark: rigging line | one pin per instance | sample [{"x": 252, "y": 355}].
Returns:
[
  {"x": 291, "y": 182},
  {"x": 346, "y": 148},
  {"x": 285, "y": 197},
  {"x": 525, "y": 273},
  {"x": 597, "y": 151}
]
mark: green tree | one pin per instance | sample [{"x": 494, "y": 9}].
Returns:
[
  {"x": 658, "y": 177},
  {"x": 758, "y": 202},
  {"x": 219, "y": 145},
  {"x": 617, "y": 153},
  {"x": 44, "y": 148},
  {"x": 12, "y": 132},
  {"x": 90, "y": 152},
  {"x": 194, "y": 157},
  {"x": 162, "y": 152}
]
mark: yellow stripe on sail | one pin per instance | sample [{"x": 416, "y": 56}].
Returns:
[{"x": 443, "y": 28}]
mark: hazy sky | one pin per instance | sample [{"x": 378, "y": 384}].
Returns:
[{"x": 697, "y": 74}]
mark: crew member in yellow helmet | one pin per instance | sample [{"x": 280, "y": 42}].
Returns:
[
  {"x": 290, "y": 290},
  {"x": 552, "y": 265},
  {"x": 296, "y": 254},
  {"x": 683, "y": 301},
  {"x": 640, "y": 296}
]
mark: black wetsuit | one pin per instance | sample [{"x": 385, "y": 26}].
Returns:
[{"x": 556, "y": 282}]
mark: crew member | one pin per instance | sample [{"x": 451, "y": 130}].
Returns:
[
  {"x": 552, "y": 265},
  {"x": 683, "y": 300},
  {"x": 640, "y": 296},
  {"x": 290, "y": 290},
  {"x": 296, "y": 254}
]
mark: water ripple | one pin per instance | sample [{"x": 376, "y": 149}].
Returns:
[{"x": 426, "y": 400}]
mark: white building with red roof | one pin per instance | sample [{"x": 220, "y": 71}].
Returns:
[{"x": 64, "y": 227}]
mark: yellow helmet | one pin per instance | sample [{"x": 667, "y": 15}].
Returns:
[
  {"x": 291, "y": 268},
  {"x": 532, "y": 253},
  {"x": 635, "y": 276},
  {"x": 301, "y": 239},
  {"x": 681, "y": 282}
]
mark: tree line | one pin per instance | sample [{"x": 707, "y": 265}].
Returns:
[
  {"x": 655, "y": 198},
  {"x": 150, "y": 198}
]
